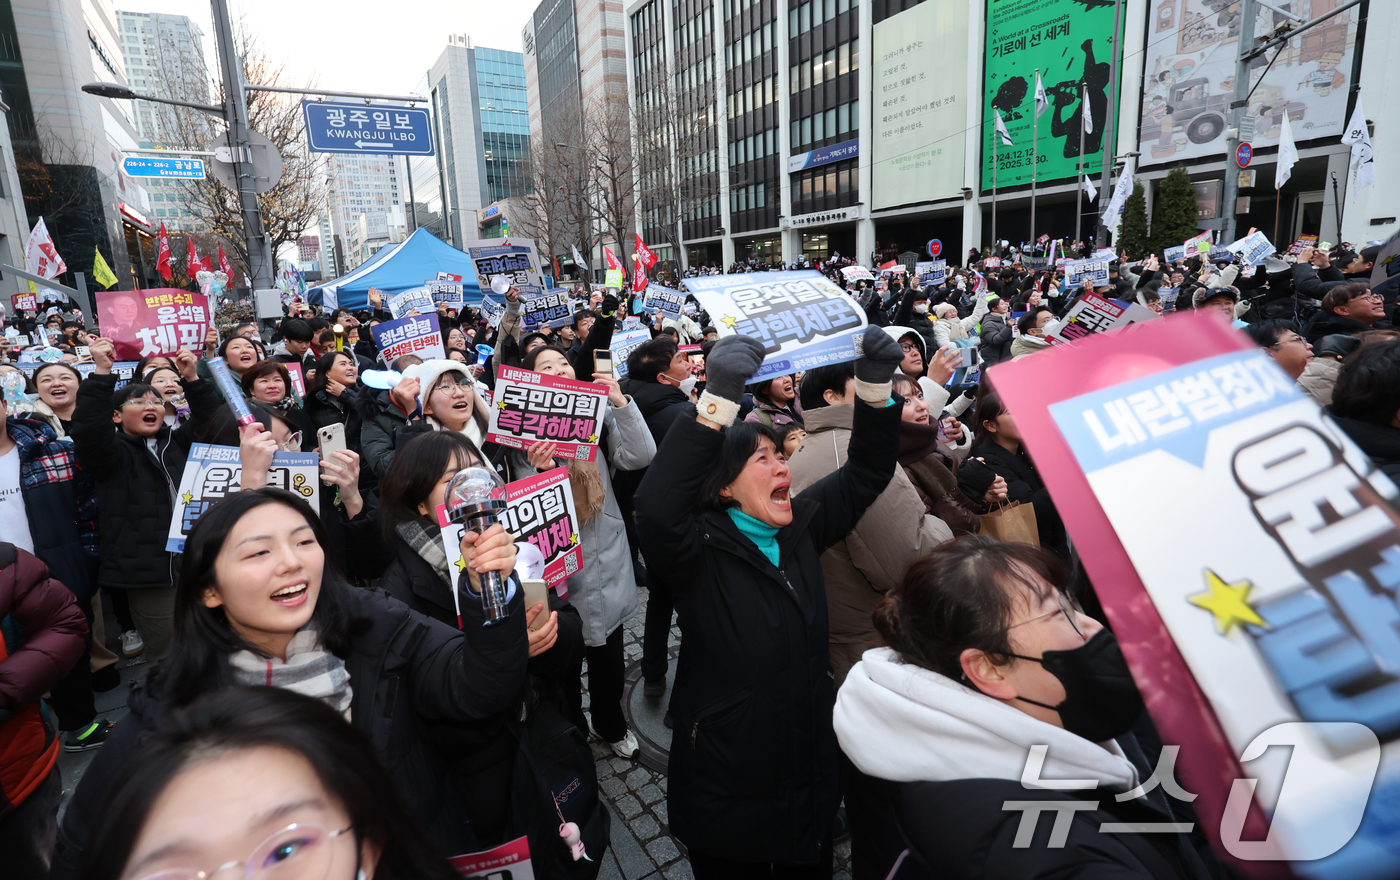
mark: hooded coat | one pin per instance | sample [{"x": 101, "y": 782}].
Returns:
[{"x": 937, "y": 761}]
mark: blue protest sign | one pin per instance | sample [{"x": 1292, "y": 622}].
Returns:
[{"x": 359, "y": 128}]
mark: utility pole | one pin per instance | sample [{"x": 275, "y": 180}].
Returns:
[
  {"x": 1079, "y": 174},
  {"x": 1109, "y": 146},
  {"x": 260, "y": 257},
  {"x": 1249, "y": 11}
]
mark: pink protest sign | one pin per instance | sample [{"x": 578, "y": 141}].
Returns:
[
  {"x": 531, "y": 407},
  {"x": 142, "y": 323}
]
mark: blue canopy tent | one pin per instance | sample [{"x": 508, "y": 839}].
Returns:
[{"x": 396, "y": 268}]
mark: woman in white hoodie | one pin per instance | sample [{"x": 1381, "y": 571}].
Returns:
[{"x": 991, "y": 671}]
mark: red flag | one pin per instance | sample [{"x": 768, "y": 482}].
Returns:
[
  {"x": 890, "y": 265},
  {"x": 163, "y": 255},
  {"x": 193, "y": 263},
  {"x": 224, "y": 265},
  {"x": 639, "y": 278},
  {"x": 645, "y": 253},
  {"x": 613, "y": 261}
]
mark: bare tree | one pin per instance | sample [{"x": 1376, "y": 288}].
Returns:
[
  {"x": 291, "y": 206},
  {"x": 608, "y": 151}
]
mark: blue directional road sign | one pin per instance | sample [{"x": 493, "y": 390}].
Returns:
[
  {"x": 153, "y": 166},
  {"x": 361, "y": 128}
]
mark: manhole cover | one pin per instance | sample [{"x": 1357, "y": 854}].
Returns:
[{"x": 645, "y": 716}]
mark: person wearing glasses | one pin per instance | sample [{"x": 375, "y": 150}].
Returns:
[
  {"x": 1281, "y": 342},
  {"x": 1348, "y": 308},
  {"x": 991, "y": 668},
  {"x": 264, "y": 783},
  {"x": 136, "y": 465}
]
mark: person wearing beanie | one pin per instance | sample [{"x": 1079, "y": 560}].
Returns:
[{"x": 436, "y": 395}]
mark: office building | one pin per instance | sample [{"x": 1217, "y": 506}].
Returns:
[
  {"x": 366, "y": 204},
  {"x": 477, "y": 98}
]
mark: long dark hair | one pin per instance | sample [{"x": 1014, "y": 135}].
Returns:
[
  {"x": 741, "y": 440},
  {"x": 413, "y": 473},
  {"x": 204, "y": 639},
  {"x": 323, "y": 367},
  {"x": 241, "y": 718}
]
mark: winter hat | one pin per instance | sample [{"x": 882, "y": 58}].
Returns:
[
  {"x": 429, "y": 372},
  {"x": 1273, "y": 266},
  {"x": 1202, "y": 294}
]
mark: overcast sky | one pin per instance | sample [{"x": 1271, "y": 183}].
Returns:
[{"x": 378, "y": 46}]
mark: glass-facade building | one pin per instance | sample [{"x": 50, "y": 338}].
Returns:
[{"x": 504, "y": 122}]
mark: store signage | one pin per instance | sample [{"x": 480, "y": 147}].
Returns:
[
  {"x": 840, "y": 215},
  {"x": 824, "y": 155}
]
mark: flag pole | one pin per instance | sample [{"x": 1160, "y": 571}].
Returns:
[
  {"x": 1079, "y": 175},
  {"x": 996, "y": 137},
  {"x": 1035, "y": 153}
]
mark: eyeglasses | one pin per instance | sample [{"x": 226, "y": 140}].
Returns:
[
  {"x": 1292, "y": 337},
  {"x": 449, "y": 382},
  {"x": 908, "y": 347},
  {"x": 1373, "y": 297},
  {"x": 292, "y": 443},
  {"x": 152, "y": 402},
  {"x": 297, "y": 852},
  {"x": 1068, "y": 606}
]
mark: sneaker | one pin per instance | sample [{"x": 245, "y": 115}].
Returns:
[
  {"x": 132, "y": 643},
  {"x": 623, "y": 748},
  {"x": 90, "y": 737}
]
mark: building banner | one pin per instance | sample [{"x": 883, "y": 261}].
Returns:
[
  {"x": 919, "y": 111},
  {"x": 1071, "y": 42},
  {"x": 420, "y": 335},
  {"x": 802, "y": 318},
  {"x": 1274, "y": 625},
  {"x": 153, "y": 321},
  {"x": 1190, "y": 69},
  {"x": 531, "y": 407},
  {"x": 212, "y": 473}
]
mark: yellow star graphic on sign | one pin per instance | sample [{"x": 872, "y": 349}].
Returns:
[
  {"x": 592, "y": 438},
  {"x": 1227, "y": 602},
  {"x": 501, "y": 405},
  {"x": 461, "y": 563},
  {"x": 186, "y": 498},
  {"x": 573, "y": 539},
  {"x": 730, "y": 321}
]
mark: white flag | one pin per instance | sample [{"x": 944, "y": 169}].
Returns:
[
  {"x": 1088, "y": 113},
  {"x": 1090, "y": 190},
  {"x": 578, "y": 258},
  {"x": 40, "y": 256},
  {"x": 1363, "y": 161},
  {"x": 1042, "y": 103},
  {"x": 1001, "y": 130},
  {"x": 1287, "y": 154},
  {"x": 1119, "y": 201}
]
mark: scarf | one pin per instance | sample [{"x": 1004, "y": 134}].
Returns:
[
  {"x": 764, "y": 536},
  {"x": 472, "y": 429},
  {"x": 309, "y": 670},
  {"x": 917, "y": 442},
  {"x": 426, "y": 541},
  {"x": 586, "y": 483}
]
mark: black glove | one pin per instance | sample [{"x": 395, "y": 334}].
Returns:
[
  {"x": 975, "y": 478},
  {"x": 730, "y": 364},
  {"x": 609, "y": 305},
  {"x": 880, "y": 357}
]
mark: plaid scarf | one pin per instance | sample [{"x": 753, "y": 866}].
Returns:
[
  {"x": 45, "y": 459},
  {"x": 309, "y": 670},
  {"x": 426, "y": 541}
]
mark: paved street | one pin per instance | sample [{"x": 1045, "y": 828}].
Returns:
[{"x": 642, "y": 846}]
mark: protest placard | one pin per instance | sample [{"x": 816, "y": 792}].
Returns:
[
  {"x": 1221, "y": 255},
  {"x": 420, "y": 335},
  {"x": 623, "y": 344},
  {"x": 1252, "y": 249},
  {"x": 992, "y": 263},
  {"x": 529, "y": 407},
  {"x": 1302, "y": 242},
  {"x": 934, "y": 272},
  {"x": 663, "y": 298},
  {"x": 154, "y": 321},
  {"x": 448, "y": 293},
  {"x": 852, "y": 274},
  {"x": 1079, "y": 271},
  {"x": 509, "y": 861},
  {"x": 893, "y": 270},
  {"x": 24, "y": 302},
  {"x": 492, "y": 311},
  {"x": 1199, "y": 243},
  {"x": 298, "y": 379},
  {"x": 615, "y": 278},
  {"x": 1168, "y": 296},
  {"x": 1092, "y": 314},
  {"x": 408, "y": 302},
  {"x": 516, "y": 258},
  {"x": 1274, "y": 625},
  {"x": 802, "y": 318},
  {"x": 213, "y": 472},
  {"x": 1104, "y": 253},
  {"x": 540, "y": 510},
  {"x": 549, "y": 309},
  {"x": 447, "y": 276},
  {"x": 1174, "y": 254}
]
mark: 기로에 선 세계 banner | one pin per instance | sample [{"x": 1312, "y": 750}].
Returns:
[{"x": 1071, "y": 43}]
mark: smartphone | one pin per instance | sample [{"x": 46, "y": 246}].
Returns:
[
  {"x": 82, "y": 351},
  {"x": 971, "y": 357},
  {"x": 536, "y": 593},
  {"x": 332, "y": 439},
  {"x": 602, "y": 361}
]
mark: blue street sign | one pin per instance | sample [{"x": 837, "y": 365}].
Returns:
[
  {"x": 360, "y": 128},
  {"x": 150, "y": 166}
]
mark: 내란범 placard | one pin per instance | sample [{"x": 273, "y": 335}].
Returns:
[
  {"x": 666, "y": 299},
  {"x": 214, "y": 472},
  {"x": 1275, "y": 621},
  {"x": 529, "y": 407},
  {"x": 801, "y": 318},
  {"x": 1079, "y": 271},
  {"x": 419, "y": 334},
  {"x": 539, "y": 510},
  {"x": 1092, "y": 314},
  {"x": 154, "y": 321},
  {"x": 623, "y": 344}
]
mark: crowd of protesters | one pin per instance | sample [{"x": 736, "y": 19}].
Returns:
[{"x": 326, "y": 699}]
